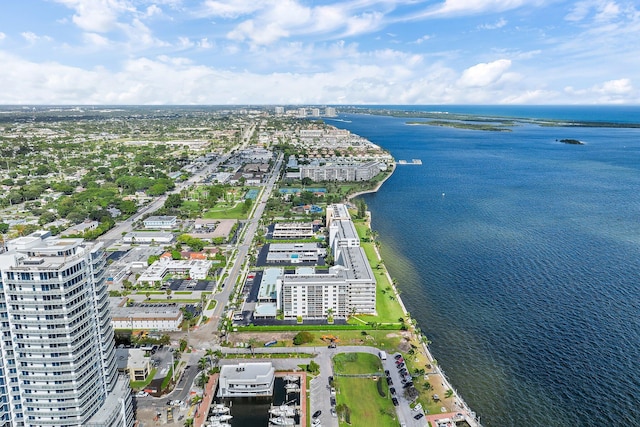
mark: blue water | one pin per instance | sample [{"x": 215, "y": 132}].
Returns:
[{"x": 520, "y": 258}]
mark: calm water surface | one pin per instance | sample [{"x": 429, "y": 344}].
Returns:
[{"x": 520, "y": 258}]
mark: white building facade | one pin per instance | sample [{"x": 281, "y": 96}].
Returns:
[{"x": 58, "y": 365}]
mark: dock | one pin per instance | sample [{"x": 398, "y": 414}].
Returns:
[{"x": 412, "y": 162}]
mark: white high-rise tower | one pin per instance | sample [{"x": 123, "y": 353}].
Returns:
[{"x": 57, "y": 365}]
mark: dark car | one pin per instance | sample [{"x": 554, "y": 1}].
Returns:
[
  {"x": 389, "y": 381},
  {"x": 402, "y": 372},
  {"x": 395, "y": 401},
  {"x": 386, "y": 372},
  {"x": 418, "y": 416},
  {"x": 398, "y": 356},
  {"x": 392, "y": 390},
  {"x": 408, "y": 384},
  {"x": 317, "y": 414},
  {"x": 400, "y": 365}
]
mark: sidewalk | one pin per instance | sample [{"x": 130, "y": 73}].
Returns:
[{"x": 203, "y": 407}]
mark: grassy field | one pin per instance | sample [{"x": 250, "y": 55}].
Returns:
[
  {"x": 360, "y": 395},
  {"x": 226, "y": 212},
  {"x": 357, "y": 363}
]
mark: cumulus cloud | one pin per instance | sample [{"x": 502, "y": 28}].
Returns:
[
  {"x": 484, "y": 74},
  {"x": 96, "y": 40},
  {"x": 609, "y": 92},
  {"x": 499, "y": 24},
  {"x": 2, "y": 36},
  {"x": 97, "y": 16},
  {"x": 33, "y": 38}
]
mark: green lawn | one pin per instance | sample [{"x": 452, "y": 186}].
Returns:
[
  {"x": 366, "y": 406},
  {"x": 140, "y": 385},
  {"x": 226, "y": 212},
  {"x": 357, "y": 363}
]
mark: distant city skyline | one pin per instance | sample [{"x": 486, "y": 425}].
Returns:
[{"x": 290, "y": 52}]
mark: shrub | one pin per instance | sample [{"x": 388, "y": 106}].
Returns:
[
  {"x": 303, "y": 337},
  {"x": 381, "y": 390}
]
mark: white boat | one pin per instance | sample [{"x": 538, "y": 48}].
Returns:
[
  {"x": 222, "y": 417},
  {"x": 291, "y": 378},
  {"x": 291, "y": 386},
  {"x": 219, "y": 409},
  {"x": 282, "y": 421},
  {"x": 283, "y": 411},
  {"x": 218, "y": 424}
]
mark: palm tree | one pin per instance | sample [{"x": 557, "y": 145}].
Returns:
[
  {"x": 252, "y": 343},
  {"x": 202, "y": 363}
]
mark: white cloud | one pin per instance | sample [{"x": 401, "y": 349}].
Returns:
[
  {"x": 153, "y": 10},
  {"x": 232, "y": 8},
  {"x": 609, "y": 92},
  {"x": 98, "y": 16},
  {"x": 422, "y": 39},
  {"x": 499, "y": 24},
  {"x": 484, "y": 74},
  {"x": 96, "y": 40},
  {"x": 472, "y": 7},
  {"x": 600, "y": 10},
  {"x": 2, "y": 36},
  {"x": 33, "y": 38},
  {"x": 204, "y": 43}
]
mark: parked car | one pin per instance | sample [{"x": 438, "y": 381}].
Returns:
[
  {"x": 400, "y": 365},
  {"x": 389, "y": 381},
  {"x": 395, "y": 401},
  {"x": 408, "y": 384},
  {"x": 142, "y": 393},
  {"x": 316, "y": 414},
  {"x": 398, "y": 356},
  {"x": 400, "y": 360},
  {"x": 392, "y": 390},
  {"x": 418, "y": 416},
  {"x": 386, "y": 372}
]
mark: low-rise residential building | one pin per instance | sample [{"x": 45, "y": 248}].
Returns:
[
  {"x": 246, "y": 380},
  {"x": 293, "y": 230},
  {"x": 148, "y": 237},
  {"x": 160, "y": 222},
  {"x": 193, "y": 268},
  {"x": 342, "y": 171},
  {"x": 133, "y": 363},
  {"x": 294, "y": 253},
  {"x": 156, "y": 317}
]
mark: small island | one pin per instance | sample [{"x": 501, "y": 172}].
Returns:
[{"x": 571, "y": 141}]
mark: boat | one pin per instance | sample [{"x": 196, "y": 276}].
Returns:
[
  {"x": 291, "y": 378},
  {"x": 221, "y": 417},
  {"x": 219, "y": 409},
  {"x": 283, "y": 411},
  {"x": 218, "y": 424},
  {"x": 291, "y": 386},
  {"x": 282, "y": 421}
]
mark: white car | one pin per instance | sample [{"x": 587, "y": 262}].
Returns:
[{"x": 142, "y": 394}]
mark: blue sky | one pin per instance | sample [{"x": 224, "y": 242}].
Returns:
[{"x": 320, "y": 52}]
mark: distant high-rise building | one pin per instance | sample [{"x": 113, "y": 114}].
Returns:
[
  {"x": 58, "y": 364},
  {"x": 330, "y": 112},
  {"x": 302, "y": 112},
  {"x": 279, "y": 111},
  {"x": 315, "y": 112}
]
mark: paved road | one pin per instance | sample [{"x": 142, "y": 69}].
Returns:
[{"x": 249, "y": 231}]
